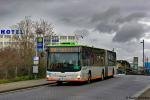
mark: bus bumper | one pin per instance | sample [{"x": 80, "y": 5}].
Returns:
[{"x": 66, "y": 80}]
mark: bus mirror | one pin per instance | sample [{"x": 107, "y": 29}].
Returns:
[{"x": 79, "y": 63}]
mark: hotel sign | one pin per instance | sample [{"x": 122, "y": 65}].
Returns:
[{"x": 7, "y": 32}]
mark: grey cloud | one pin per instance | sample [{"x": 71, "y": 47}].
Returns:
[
  {"x": 133, "y": 16},
  {"x": 107, "y": 21},
  {"x": 110, "y": 20},
  {"x": 136, "y": 15},
  {"x": 104, "y": 22},
  {"x": 126, "y": 27},
  {"x": 130, "y": 31},
  {"x": 109, "y": 14},
  {"x": 91, "y": 19},
  {"x": 105, "y": 27},
  {"x": 98, "y": 15},
  {"x": 4, "y": 12},
  {"x": 6, "y": 8}
]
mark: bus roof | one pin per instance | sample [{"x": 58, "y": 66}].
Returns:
[{"x": 73, "y": 44}]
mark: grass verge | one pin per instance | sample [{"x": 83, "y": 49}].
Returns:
[{"x": 21, "y": 78}]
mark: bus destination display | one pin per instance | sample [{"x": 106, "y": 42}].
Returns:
[{"x": 64, "y": 49}]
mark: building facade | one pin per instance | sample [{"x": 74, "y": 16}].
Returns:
[
  {"x": 54, "y": 40},
  {"x": 7, "y": 40}
]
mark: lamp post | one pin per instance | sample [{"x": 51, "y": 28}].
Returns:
[{"x": 143, "y": 52}]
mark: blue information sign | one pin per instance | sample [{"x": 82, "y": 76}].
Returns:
[
  {"x": 55, "y": 40},
  {"x": 40, "y": 44}
]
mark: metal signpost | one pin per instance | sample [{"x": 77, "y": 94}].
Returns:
[
  {"x": 35, "y": 66},
  {"x": 39, "y": 41}
]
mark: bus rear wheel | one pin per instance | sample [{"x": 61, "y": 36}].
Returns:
[
  {"x": 89, "y": 78},
  {"x": 113, "y": 72},
  {"x": 102, "y": 76}
]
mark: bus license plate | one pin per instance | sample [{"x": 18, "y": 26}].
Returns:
[{"x": 62, "y": 79}]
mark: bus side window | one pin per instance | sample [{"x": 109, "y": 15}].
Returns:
[
  {"x": 84, "y": 59},
  {"x": 102, "y": 61}
]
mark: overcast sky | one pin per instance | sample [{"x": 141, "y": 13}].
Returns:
[{"x": 118, "y": 24}]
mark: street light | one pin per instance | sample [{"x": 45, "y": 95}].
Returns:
[{"x": 143, "y": 51}]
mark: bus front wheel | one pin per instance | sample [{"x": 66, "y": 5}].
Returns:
[{"x": 59, "y": 83}]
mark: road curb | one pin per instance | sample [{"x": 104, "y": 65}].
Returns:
[
  {"x": 134, "y": 97},
  {"x": 27, "y": 87}
]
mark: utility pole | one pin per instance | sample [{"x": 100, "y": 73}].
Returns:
[{"x": 143, "y": 52}]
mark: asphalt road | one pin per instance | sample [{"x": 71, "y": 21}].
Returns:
[{"x": 118, "y": 88}]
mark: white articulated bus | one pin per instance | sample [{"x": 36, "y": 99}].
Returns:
[{"x": 71, "y": 62}]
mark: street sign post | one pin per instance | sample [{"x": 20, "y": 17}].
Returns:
[
  {"x": 35, "y": 66},
  {"x": 35, "y": 58}
]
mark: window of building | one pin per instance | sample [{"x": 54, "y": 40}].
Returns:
[
  {"x": 7, "y": 36},
  {"x": 1, "y": 43},
  {"x": 1, "y": 36},
  {"x": 63, "y": 37},
  {"x": 5, "y": 43},
  {"x": 55, "y": 37},
  {"x": 71, "y": 37}
]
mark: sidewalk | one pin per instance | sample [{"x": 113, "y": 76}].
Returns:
[
  {"x": 22, "y": 85},
  {"x": 145, "y": 95},
  {"x": 142, "y": 95}
]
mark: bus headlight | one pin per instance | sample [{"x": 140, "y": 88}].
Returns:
[
  {"x": 78, "y": 76},
  {"x": 47, "y": 76}
]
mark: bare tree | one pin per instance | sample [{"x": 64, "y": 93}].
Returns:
[
  {"x": 43, "y": 27},
  {"x": 17, "y": 59},
  {"x": 26, "y": 41}
]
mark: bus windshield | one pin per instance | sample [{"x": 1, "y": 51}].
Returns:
[{"x": 64, "y": 62}]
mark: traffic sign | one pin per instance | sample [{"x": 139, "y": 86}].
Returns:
[
  {"x": 35, "y": 69},
  {"x": 40, "y": 44},
  {"x": 35, "y": 58},
  {"x": 36, "y": 62}
]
